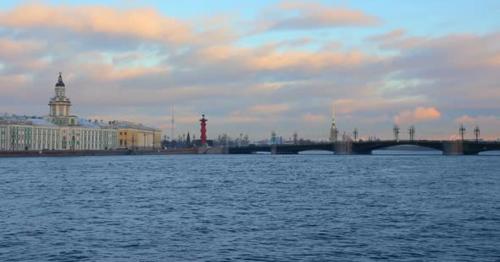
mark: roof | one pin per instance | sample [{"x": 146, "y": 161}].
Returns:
[
  {"x": 25, "y": 120},
  {"x": 132, "y": 125},
  {"x": 6, "y": 119},
  {"x": 60, "y": 81},
  {"x": 88, "y": 123}
]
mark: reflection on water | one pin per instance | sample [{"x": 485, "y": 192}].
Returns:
[
  {"x": 490, "y": 153},
  {"x": 407, "y": 152}
]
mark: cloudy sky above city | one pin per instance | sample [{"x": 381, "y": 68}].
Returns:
[{"x": 257, "y": 66}]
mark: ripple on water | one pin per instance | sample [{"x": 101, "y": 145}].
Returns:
[{"x": 259, "y": 208}]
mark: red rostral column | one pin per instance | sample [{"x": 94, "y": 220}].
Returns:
[{"x": 203, "y": 130}]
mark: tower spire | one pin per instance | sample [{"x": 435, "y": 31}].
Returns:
[{"x": 333, "y": 128}]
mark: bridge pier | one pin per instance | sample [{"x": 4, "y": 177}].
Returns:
[
  {"x": 453, "y": 148},
  {"x": 343, "y": 148}
]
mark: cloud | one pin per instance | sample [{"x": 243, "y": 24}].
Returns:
[
  {"x": 313, "y": 118},
  {"x": 108, "y": 72},
  {"x": 308, "y": 60},
  {"x": 374, "y": 104},
  {"x": 10, "y": 49},
  {"x": 420, "y": 114},
  {"x": 459, "y": 66},
  {"x": 302, "y": 15},
  {"x": 116, "y": 65},
  {"x": 270, "y": 58},
  {"x": 487, "y": 120},
  {"x": 488, "y": 124},
  {"x": 269, "y": 108},
  {"x": 389, "y": 36},
  {"x": 141, "y": 23}
]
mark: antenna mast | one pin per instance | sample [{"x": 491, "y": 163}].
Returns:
[{"x": 172, "y": 125}]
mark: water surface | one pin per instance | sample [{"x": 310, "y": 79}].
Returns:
[{"x": 257, "y": 208}]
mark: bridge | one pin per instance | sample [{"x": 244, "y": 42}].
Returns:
[{"x": 367, "y": 147}]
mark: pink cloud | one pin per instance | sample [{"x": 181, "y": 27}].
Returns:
[
  {"x": 313, "y": 118},
  {"x": 10, "y": 48},
  {"x": 420, "y": 114},
  {"x": 311, "y": 60},
  {"x": 270, "y": 58},
  {"x": 138, "y": 23},
  {"x": 312, "y": 15}
]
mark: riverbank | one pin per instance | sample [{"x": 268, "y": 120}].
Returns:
[{"x": 65, "y": 153}]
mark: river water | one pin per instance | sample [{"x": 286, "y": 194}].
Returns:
[{"x": 255, "y": 208}]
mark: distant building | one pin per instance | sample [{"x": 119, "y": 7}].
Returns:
[
  {"x": 27, "y": 133},
  {"x": 136, "y": 136},
  {"x": 62, "y": 131}
]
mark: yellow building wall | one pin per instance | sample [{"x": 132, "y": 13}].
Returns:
[
  {"x": 157, "y": 139},
  {"x": 138, "y": 139}
]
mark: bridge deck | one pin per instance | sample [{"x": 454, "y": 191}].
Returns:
[{"x": 366, "y": 147}]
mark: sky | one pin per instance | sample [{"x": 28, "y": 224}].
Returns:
[{"x": 254, "y": 67}]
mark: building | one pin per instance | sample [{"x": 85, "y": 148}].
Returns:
[
  {"x": 137, "y": 136},
  {"x": 62, "y": 131},
  {"x": 60, "y": 106},
  {"x": 19, "y": 133}
]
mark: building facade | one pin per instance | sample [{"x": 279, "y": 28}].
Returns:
[
  {"x": 137, "y": 136},
  {"x": 35, "y": 134},
  {"x": 62, "y": 131}
]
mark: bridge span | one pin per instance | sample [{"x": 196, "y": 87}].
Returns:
[{"x": 367, "y": 147}]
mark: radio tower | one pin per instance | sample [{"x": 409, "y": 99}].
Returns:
[{"x": 172, "y": 125}]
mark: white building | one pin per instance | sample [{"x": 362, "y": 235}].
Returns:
[
  {"x": 35, "y": 134},
  {"x": 59, "y": 131}
]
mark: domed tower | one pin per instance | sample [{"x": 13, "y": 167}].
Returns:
[{"x": 60, "y": 105}]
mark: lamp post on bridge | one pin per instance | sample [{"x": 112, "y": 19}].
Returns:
[
  {"x": 477, "y": 133},
  {"x": 462, "y": 130},
  {"x": 411, "y": 132},
  {"x": 395, "y": 130},
  {"x": 355, "y": 134}
]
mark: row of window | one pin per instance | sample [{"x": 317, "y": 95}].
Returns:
[{"x": 28, "y": 138}]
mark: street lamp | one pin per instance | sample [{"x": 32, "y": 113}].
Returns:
[
  {"x": 461, "y": 130},
  {"x": 477, "y": 133},
  {"x": 411, "y": 131},
  {"x": 396, "y": 133}
]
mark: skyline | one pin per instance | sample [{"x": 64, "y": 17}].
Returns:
[{"x": 261, "y": 66}]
